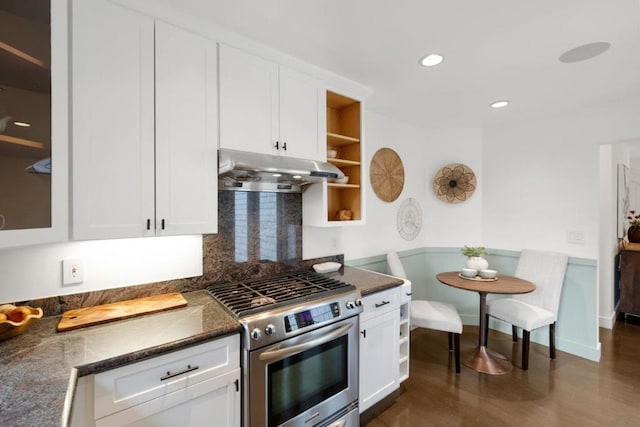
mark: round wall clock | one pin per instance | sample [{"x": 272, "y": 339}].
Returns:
[
  {"x": 409, "y": 219},
  {"x": 454, "y": 183},
  {"x": 386, "y": 174}
]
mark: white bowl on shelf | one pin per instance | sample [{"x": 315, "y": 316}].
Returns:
[
  {"x": 331, "y": 154},
  {"x": 342, "y": 180}
]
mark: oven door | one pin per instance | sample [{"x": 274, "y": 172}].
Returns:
[{"x": 308, "y": 380}]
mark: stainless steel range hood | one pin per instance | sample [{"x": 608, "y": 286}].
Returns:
[{"x": 244, "y": 171}]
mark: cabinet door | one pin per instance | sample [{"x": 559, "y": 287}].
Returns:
[
  {"x": 112, "y": 121},
  {"x": 212, "y": 402},
  {"x": 302, "y": 115},
  {"x": 38, "y": 202},
  {"x": 379, "y": 369},
  {"x": 186, "y": 132},
  {"x": 248, "y": 102}
]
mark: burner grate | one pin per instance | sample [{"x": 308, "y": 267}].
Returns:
[{"x": 247, "y": 297}]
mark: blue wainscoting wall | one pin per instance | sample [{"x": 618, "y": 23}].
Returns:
[{"x": 577, "y": 326}]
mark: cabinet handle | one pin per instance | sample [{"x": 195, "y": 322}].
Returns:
[
  {"x": 148, "y": 224},
  {"x": 409, "y": 294},
  {"x": 364, "y": 333},
  {"x": 237, "y": 385},
  {"x": 277, "y": 145},
  {"x": 284, "y": 146},
  {"x": 175, "y": 374},
  {"x": 382, "y": 303},
  {"x": 163, "y": 223}
]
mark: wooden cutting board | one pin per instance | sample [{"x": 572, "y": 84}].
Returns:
[{"x": 74, "y": 319}]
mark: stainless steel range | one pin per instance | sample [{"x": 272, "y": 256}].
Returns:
[{"x": 300, "y": 349}]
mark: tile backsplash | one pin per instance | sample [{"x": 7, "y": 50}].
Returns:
[{"x": 259, "y": 235}]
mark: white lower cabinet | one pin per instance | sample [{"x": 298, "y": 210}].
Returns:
[
  {"x": 195, "y": 405},
  {"x": 379, "y": 346},
  {"x": 196, "y": 386}
]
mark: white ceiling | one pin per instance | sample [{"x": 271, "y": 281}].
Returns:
[{"x": 494, "y": 49}]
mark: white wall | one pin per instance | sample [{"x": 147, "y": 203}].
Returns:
[
  {"x": 423, "y": 153},
  {"x": 542, "y": 178},
  {"x": 36, "y": 271},
  {"x": 540, "y": 181},
  {"x": 608, "y": 236}
]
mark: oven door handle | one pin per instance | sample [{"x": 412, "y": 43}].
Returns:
[{"x": 277, "y": 354}]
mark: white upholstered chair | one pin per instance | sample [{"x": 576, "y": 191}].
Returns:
[
  {"x": 435, "y": 315},
  {"x": 539, "y": 308}
]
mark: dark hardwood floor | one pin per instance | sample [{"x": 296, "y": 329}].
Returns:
[{"x": 567, "y": 391}]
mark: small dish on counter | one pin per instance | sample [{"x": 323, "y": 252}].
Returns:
[
  {"x": 14, "y": 320},
  {"x": 327, "y": 267}
]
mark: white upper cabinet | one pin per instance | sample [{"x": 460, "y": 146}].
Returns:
[
  {"x": 267, "y": 108},
  {"x": 302, "y": 115},
  {"x": 34, "y": 159},
  {"x": 186, "y": 132},
  {"x": 144, "y": 158}
]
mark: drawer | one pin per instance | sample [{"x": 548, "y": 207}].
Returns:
[
  {"x": 139, "y": 382},
  {"x": 405, "y": 292},
  {"x": 380, "y": 302},
  {"x": 215, "y": 398}
]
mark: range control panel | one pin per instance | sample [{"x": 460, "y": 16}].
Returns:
[
  {"x": 269, "y": 327},
  {"x": 310, "y": 317}
]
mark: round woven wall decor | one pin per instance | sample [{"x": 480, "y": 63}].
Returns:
[
  {"x": 454, "y": 183},
  {"x": 386, "y": 174}
]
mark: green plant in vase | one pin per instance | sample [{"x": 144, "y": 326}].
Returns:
[{"x": 475, "y": 257}]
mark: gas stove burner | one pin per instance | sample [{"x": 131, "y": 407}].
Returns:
[
  {"x": 259, "y": 301},
  {"x": 252, "y": 296}
]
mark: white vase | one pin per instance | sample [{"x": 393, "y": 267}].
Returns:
[{"x": 477, "y": 263}]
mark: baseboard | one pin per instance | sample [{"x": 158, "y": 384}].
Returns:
[{"x": 607, "y": 322}]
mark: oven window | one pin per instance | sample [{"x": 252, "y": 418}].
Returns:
[{"x": 301, "y": 381}]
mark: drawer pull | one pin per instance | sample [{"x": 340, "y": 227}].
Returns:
[
  {"x": 409, "y": 294},
  {"x": 382, "y": 303},
  {"x": 175, "y": 374}
]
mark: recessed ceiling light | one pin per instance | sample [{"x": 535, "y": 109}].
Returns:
[
  {"x": 431, "y": 60},
  {"x": 277, "y": 175},
  {"x": 297, "y": 176},
  {"x": 22, "y": 124},
  {"x": 584, "y": 52},
  {"x": 499, "y": 104}
]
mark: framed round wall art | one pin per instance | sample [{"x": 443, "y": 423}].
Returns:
[
  {"x": 454, "y": 183},
  {"x": 386, "y": 173}
]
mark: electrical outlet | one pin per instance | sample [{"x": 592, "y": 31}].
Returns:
[
  {"x": 334, "y": 243},
  {"x": 72, "y": 271}
]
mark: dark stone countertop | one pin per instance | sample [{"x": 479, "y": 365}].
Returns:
[
  {"x": 367, "y": 282},
  {"x": 39, "y": 368}
]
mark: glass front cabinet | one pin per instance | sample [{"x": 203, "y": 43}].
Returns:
[{"x": 33, "y": 122}]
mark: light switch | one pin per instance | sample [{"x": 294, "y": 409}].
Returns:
[{"x": 575, "y": 236}]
